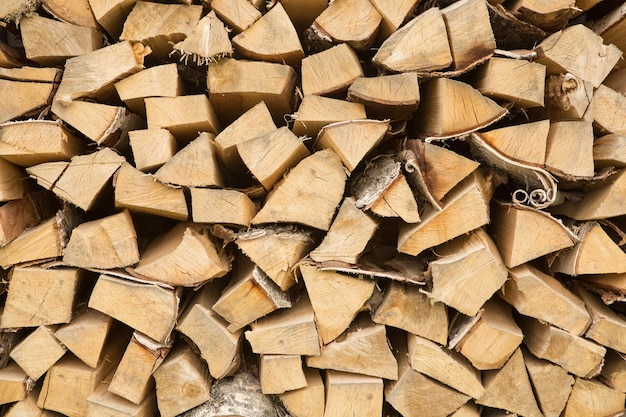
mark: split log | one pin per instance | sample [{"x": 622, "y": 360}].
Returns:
[
  {"x": 14, "y": 384},
  {"x": 550, "y": 17},
  {"x": 352, "y": 394},
  {"x": 47, "y": 173},
  {"x": 568, "y": 97},
  {"x": 207, "y": 42},
  {"x": 237, "y": 14},
  {"x": 609, "y": 150},
  {"x": 316, "y": 112},
  {"x": 280, "y": 373},
  {"x": 9, "y": 57},
  {"x": 13, "y": 11},
  {"x": 76, "y": 12},
  {"x": 38, "y": 351},
  {"x": 393, "y": 15},
  {"x": 12, "y": 186},
  {"x": 303, "y": 12},
  {"x": 103, "y": 402},
  {"x": 151, "y": 148},
  {"x": 307, "y": 401},
  {"x": 112, "y": 15},
  {"x": 18, "y": 215},
  {"x": 398, "y": 200},
  {"x": 611, "y": 28},
  {"x": 393, "y": 96},
  {"x": 551, "y": 383},
  {"x": 28, "y": 407},
  {"x": 616, "y": 80},
  {"x": 331, "y": 71},
  {"x": 614, "y": 371},
  {"x": 221, "y": 206},
  {"x": 33, "y": 97},
  {"x": 85, "y": 335},
  {"x": 609, "y": 108},
  {"x": 592, "y": 398},
  {"x": 569, "y": 148},
  {"x": 607, "y": 328},
  {"x": 524, "y": 142}
]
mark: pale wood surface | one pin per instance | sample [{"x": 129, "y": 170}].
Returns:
[
  {"x": 111, "y": 15},
  {"x": 307, "y": 401},
  {"x": 398, "y": 200},
  {"x": 237, "y": 14},
  {"x": 393, "y": 96},
  {"x": 157, "y": 81},
  {"x": 231, "y": 207},
  {"x": 352, "y": 394},
  {"x": 74, "y": 12},
  {"x": 551, "y": 383},
  {"x": 207, "y": 42},
  {"x": 330, "y": 71},
  {"x": 592, "y": 398},
  {"x": 103, "y": 402},
  {"x": 13, "y": 384},
  {"x": 607, "y": 328},
  {"x": 316, "y": 112},
  {"x": 30, "y": 98},
  {"x": 281, "y": 373},
  {"x": 85, "y": 335},
  {"x": 525, "y": 142},
  {"x": 37, "y": 352},
  {"x": 11, "y": 185},
  {"x": 151, "y": 148},
  {"x": 569, "y": 148},
  {"x": 609, "y": 108}
]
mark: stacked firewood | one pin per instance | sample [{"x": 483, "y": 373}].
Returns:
[{"x": 300, "y": 208}]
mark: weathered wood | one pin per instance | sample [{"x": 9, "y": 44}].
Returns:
[
  {"x": 551, "y": 383},
  {"x": 611, "y": 27},
  {"x": 280, "y": 373},
  {"x": 352, "y": 394},
  {"x": 614, "y": 371},
  {"x": 38, "y": 351},
  {"x": 393, "y": 96},
  {"x": 331, "y": 71},
  {"x": 231, "y": 207},
  {"x": 307, "y": 401},
  {"x": 157, "y": 81},
  {"x": 85, "y": 335},
  {"x": 592, "y": 398},
  {"x": 316, "y": 112},
  {"x": 46, "y": 174}
]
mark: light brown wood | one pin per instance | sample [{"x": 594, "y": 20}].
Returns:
[
  {"x": 46, "y": 174},
  {"x": 303, "y": 12},
  {"x": 38, "y": 351},
  {"x": 331, "y": 71},
  {"x": 74, "y": 12},
  {"x": 550, "y": 17},
  {"x": 468, "y": 409},
  {"x": 13, "y": 10},
  {"x": 316, "y": 112},
  {"x": 352, "y": 394},
  {"x": 551, "y": 383},
  {"x": 569, "y": 148},
  {"x": 18, "y": 215},
  {"x": 398, "y": 200},
  {"x": 85, "y": 335},
  {"x": 393, "y": 96},
  {"x": 9, "y": 57},
  {"x": 35, "y": 74},
  {"x": 147, "y": 308},
  {"x": 102, "y": 402},
  {"x": 31, "y": 98},
  {"x": 610, "y": 150},
  {"x": 237, "y": 14},
  {"x": 524, "y": 142},
  {"x": 105, "y": 243},
  {"x": 14, "y": 384},
  {"x": 592, "y": 398},
  {"x": 111, "y": 15},
  {"x": 568, "y": 97},
  {"x": 207, "y": 42},
  {"x": 607, "y": 328},
  {"x": 614, "y": 371},
  {"x": 616, "y": 80},
  {"x": 394, "y": 14},
  {"x": 307, "y": 401},
  {"x": 611, "y": 27},
  {"x": 12, "y": 186},
  {"x": 231, "y": 207},
  {"x": 219, "y": 347},
  {"x": 609, "y": 108},
  {"x": 281, "y": 373},
  {"x": 28, "y": 407},
  {"x": 151, "y": 148}
]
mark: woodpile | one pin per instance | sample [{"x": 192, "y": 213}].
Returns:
[{"x": 310, "y": 209}]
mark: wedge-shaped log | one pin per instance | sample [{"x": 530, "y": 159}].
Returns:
[
  {"x": 38, "y": 351},
  {"x": 569, "y": 148},
  {"x": 182, "y": 382},
  {"x": 352, "y": 394},
  {"x": 207, "y": 42},
  {"x": 34, "y": 74},
  {"x": 151, "y": 148},
  {"x": 236, "y": 86},
  {"x": 592, "y": 398},
  {"x": 609, "y": 109},
  {"x": 218, "y": 346},
  {"x": 435, "y": 54},
  {"x": 362, "y": 339},
  {"x": 12, "y": 186},
  {"x": 280, "y": 373},
  {"x": 287, "y": 332},
  {"x": 18, "y": 215},
  {"x": 614, "y": 371},
  {"x": 331, "y": 71},
  {"x": 612, "y": 283},
  {"x": 105, "y": 243},
  {"x": 237, "y": 14},
  {"x": 612, "y": 27},
  {"x": 111, "y": 16},
  {"x": 550, "y": 17},
  {"x": 185, "y": 256},
  {"x": 551, "y": 383},
  {"x": 103, "y": 402},
  {"x": 528, "y": 290},
  {"x": 524, "y": 142},
  {"x": 32, "y": 97},
  {"x": 318, "y": 182},
  {"x": 147, "y": 308},
  {"x": 14, "y": 384},
  {"x": 336, "y": 299},
  {"x": 46, "y": 174},
  {"x": 393, "y": 15},
  {"x": 139, "y": 192},
  {"x": 398, "y": 200},
  {"x": 271, "y": 38},
  {"x": 157, "y": 81},
  {"x": 498, "y": 392},
  {"x": 467, "y": 272},
  {"x": 465, "y": 209},
  {"x": 307, "y": 401},
  {"x": 606, "y": 328},
  {"x": 85, "y": 335},
  {"x": 209, "y": 205},
  {"x": 77, "y": 13},
  {"x": 404, "y": 306},
  {"x": 393, "y": 96},
  {"x": 488, "y": 339},
  {"x": 575, "y": 354},
  {"x": 610, "y": 150},
  {"x": 316, "y": 112}
]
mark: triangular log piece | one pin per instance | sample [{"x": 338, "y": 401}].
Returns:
[
  {"x": 614, "y": 371},
  {"x": 86, "y": 177},
  {"x": 182, "y": 382},
  {"x": 140, "y": 192},
  {"x": 147, "y": 308},
  {"x": 103, "y": 402},
  {"x": 610, "y": 150},
  {"x": 363, "y": 339},
  {"x": 551, "y": 383},
  {"x": 183, "y": 116},
  {"x": 336, "y": 299},
  {"x": 404, "y": 306},
  {"x": 465, "y": 209},
  {"x": 44, "y": 43},
  {"x": 352, "y": 394},
  {"x": 393, "y": 15},
  {"x": 105, "y": 243},
  {"x": 272, "y": 38},
  {"x": 436, "y": 117},
  {"x": 287, "y": 332},
  {"x": 160, "y": 26},
  {"x": 38, "y": 351},
  {"x": 185, "y": 256},
  {"x": 348, "y": 235},
  {"x": 307, "y": 401},
  {"x": 596, "y": 253},
  {"x": 611, "y": 28},
  {"x": 550, "y": 17},
  {"x": 12, "y": 185},
  {"x": 111, "y": 16},
  {"x": 158, "y": 81},
  {"x": 14, "y": 384},
  {"x": 469, "y": 33},
  {"x": 231, "y": 207},
  {"x": 609, "y": 110},
  {"x": 46, "y": 174},
  {"x": 407, "y": 49},
  {"x": 40, "y": 297},
  {"x": 208, "y": 331},
  {"x": 352, "y": 140},
  {"x": 236, "y": 86},
  {"x": 447, "y": 367},
  {"x": 276, "y": 251},
  {"x": 270, "y": 156},
  {"x": 467, "y": 272},
  {"x": 579, "y": 51},
  {"x": 607, "y": 328},
  {"x": 132, "y": 379},
  {"x": 316, "y": 112},
  {"x": 195, "y": 165},
  {"x": 317, "y": 183},
  {"x": 489, "y": 339},
  {"x": 86, "y": 335},
  {"x": 591, "y": 398},
  {"x": 524, "y": 142},
  {"x": 33, "y": 96},
  {"x": 354, "y": 22},
  {"x": 523, "y": 234},
  {"x": 18, "y": 215},
  {"x": 237, "y": 14},
  {"x": 77, "y": 13},
  {"x": 394, "y": 96},
  {"x": 253, "y": 123},
  {"x": 498, "y": 392},
  {"x": 331, "y": 71},
  {"x": 32, "y": 142},
  {"x": 207, "y": 42},
  {"x": 575, "y": 354},
  {"x": 280, "y": 373},
  {"x": 568, "y": 97},
  {"x": 249, "y": 296},
  {"x": 151, "y": 148},
  {"x": 398, "y": 200},
  {"x": 518, "y": 82},
  {"x": 529, "y": 290},
  {"x": 569, "y": 148}
]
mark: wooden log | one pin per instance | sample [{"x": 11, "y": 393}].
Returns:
[
  {"x": 28, "y": 407},
  {"x": 592, "y": 398},
  {"x": 575, "y": 354},
  {"x": 609, "y": 150},
  {"x": 77, "y": 13},
  {"x": 219, "y": 347},
  {"x": 281, "y": 373},
  {"x": 103, "y": 402},
  {"x": 551, "y": 383},
  {"x": 317, "y": 181},
  {"x": 467, "y": 272},
  {"x": 271, "y": 38},
  {"x": 611, "y": 27},
  {"x": 616, "y": 80},
  {"x": 160, "y": 26},
  {"x": 489, "y": 339},
  {"x": 550, "y": 17},
  {"x": 112, "y": 15},
  {"x": 393, "y": 15},
  {"x": 524, "y": 142},
  {"x": 13, "y": 11},
  {"x": 232, "y": 94},
  {"x": 397, "y": 201},
  {"x": 151, "y": 148},
  {"x": 147, "y": 308},
  {"x": 609, "y": 108},
  {"x": 85, "y": 335},
  {"x": 38, "y": 351},
  {"x": 33, "y": 97},
  {"x": 287, "y": 332},
  {"x": 607, "y": 328},
  {"x": 307, "y": 401},
  {"x": 34, "y": 74},
  {"x": 569, "y": 148},
  {"x": 157, "y": 81},
  {"x": 237, "y": 14},
  {"x": 9, "y": 57},
  {"x": 336, "y": 299},
  {"x": 468, "y": 409},
  {"x": 105, "y": 243},
  {"x": 352, "y": 394},
  {"x": 182, "y": 382},
  {"x": 50, "y": 42},
  {"x": 12, "y": 186},
  {"x": 330, "y": 72},
  {"x": 393, "y": 96},
  {"x": 47, "y": 173},
  {"x": 207, "y": 42},
  {"x": 568, "y": 97},
  {"x": 221, "y": 206},
  {"x": 316, "y": 112},
  {"x": 14, "y": 384},
  {"x": 614, "y": 371},
  {"x": 18, "y": 215}
]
